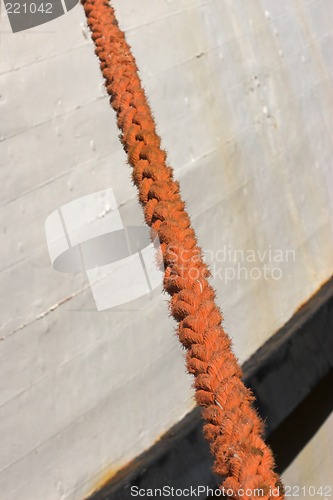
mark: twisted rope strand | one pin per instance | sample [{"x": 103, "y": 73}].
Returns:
[{"x": 231, "y": 426}]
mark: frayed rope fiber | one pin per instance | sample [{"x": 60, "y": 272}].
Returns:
[{"x": 231, "y": 424}]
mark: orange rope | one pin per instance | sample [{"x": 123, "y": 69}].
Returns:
[{"x": 232, "y": 426}]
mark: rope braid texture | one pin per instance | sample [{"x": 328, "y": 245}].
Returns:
[{"x": 231, "y": 426}]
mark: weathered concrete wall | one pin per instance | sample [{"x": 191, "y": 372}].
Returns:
[{"x": 242, "y": 95}]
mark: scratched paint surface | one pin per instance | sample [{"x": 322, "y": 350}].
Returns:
[{"x": 242, "y": 94}]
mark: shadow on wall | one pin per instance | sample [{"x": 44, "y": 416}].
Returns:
[{"x": 292, "y": 435}]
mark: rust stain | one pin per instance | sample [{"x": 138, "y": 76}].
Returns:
[
  {"x": 312, "y": 295},
  {"x": 115, "y": 474},
  {"x": 105, "y": 478}
]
